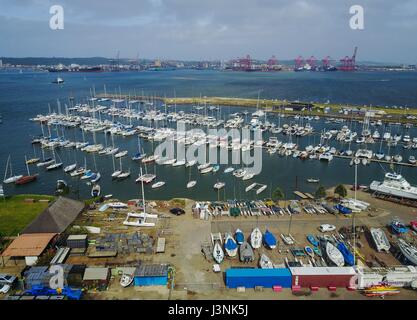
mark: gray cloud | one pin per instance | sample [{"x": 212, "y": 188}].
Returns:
[{"x": 190, "y": 29}]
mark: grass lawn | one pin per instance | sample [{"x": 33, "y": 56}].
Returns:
[{"x": 15, "y": 214}]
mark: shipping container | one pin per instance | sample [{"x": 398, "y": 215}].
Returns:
[
  {"x": 323, "y": 277},
  {"x": 251, "y": 278}
]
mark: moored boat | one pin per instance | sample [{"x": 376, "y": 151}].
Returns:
[
  {"x": 246, "y": 253},
  {"x": 265, "y": 262},
  {"x": 334, "y": 255},
  {"x": 239, "y": 236},
  {"x": 218, "y": 253}
]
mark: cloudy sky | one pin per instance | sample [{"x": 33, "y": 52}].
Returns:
[{"x": 210, "y": 29}]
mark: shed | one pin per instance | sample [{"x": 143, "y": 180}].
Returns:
[
  {"x": 322, "y": 276},
  {"x": 77, "y": 241},
  {"x": 29, "y": 246},
  {"x": 96, "y": 278},
  {"x": 151, "y": 275},
  {"x": 251, "y": 277}
]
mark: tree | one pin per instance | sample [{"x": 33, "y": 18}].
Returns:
[
  {"x": 278, "y": 194},
  {"x": 341, "y": 191},
  {"x": 320, "y": 192}
]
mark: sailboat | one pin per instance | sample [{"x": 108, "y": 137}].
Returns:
[
  {"x": 239, "y": 236},
  {"x": 270, "y": 240},
  {"x": 256, "y": 238},
  {"x": 218, "y": 253},
  {"x": 230, "y": 245},
  {"x": 55, "y": 164},
  {"x": 158, "y": 184},
  {"x": 34, "y": 159},
  {"x": 12, "y": 178},
  {"x": 95, "y": 177},
  {"x": 70, "y": 168},
  {"x": 265, "y": 262},
  {"x": 28, "y": 178},
  {"x": 138, "y": 155},
  {"x": 191, "y": 183},
  {"x": 122, "y": 174},
  {"x": 80, "y": 170},
  {"x": 334, "y": 255}
]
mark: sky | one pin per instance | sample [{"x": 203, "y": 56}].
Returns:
[{"x": 210, "y": 29}]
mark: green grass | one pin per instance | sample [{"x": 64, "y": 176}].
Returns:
[{"x": 16, "y": 214}]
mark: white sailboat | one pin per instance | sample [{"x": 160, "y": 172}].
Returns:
[
  {"x": 265, "y": 262},
  {"x": 218, "y": 253},
  {"x": 256, "y": 238},
  {"x": 11, "y": 178},
  {"x": 334, "y": 255},
  {"x": 158, "y": 184}
]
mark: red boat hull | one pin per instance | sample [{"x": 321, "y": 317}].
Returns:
[{"x": 26, "y": 179}]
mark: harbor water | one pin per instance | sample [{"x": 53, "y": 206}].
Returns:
[{"x": 24, "y": 95}]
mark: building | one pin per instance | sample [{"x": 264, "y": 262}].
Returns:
[
  {"x": 251, "y": 278},
  {"x": 41, "y": 276},
  {"x": 29, "y": 247},
  {"x": 57, "y": 217},
  {"x": 402, "y": 276},
  {"x": 323, "y": 277},
  {"x": 151, "y": 275},
  {"x": 96, "y": 278},
  {"x": 77, "y": 241}
]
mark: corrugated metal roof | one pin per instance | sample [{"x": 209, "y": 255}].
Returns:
[
  {"x": 249, "y": 272},
  {"x": 77, "y": 237},
  {"x": 302, "y": 271},
  {"x": 151, "y": 270}
]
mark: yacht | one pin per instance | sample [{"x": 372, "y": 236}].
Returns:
[{"x": 394, "y": 184}]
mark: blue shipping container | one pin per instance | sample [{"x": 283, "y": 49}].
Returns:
[
  {"x": 251, "y": 278},
  {"x": 151, "y": 281}
]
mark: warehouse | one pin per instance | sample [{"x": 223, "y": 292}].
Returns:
[
  {"x": 151, "y": 275},
  {"x": 251, "y": 278},
  {"x": 401, "y": 276},
  {"x": 323, "y": 277}
]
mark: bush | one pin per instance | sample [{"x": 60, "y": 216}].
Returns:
[
  {"x": 341, "y": 191},
  {"x": 278, "y": 194}
]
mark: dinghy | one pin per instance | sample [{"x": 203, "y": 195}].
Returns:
[
  {"x": 219, "y": 185},
  {"x": 380, "y": 239},
  {"x": 265, "y": 262},
  {"x": 317, "y": 251},
  {"x": 334, "y": 255},
  {"x": 256, "y": 238},
  {"x": 95, "y": 177},
  {"x": 270, "y": 240},
  {"x": 77, "y": 172},
  {"x": 250, "y": 187},
  {"x": 248, "y": 176},
  {"x": 216, "y": 168},
  {"x": 312, "y": 239},
  {"x": 239, "y": 236},
  {"x": 246, "y": 253},
  {"x": 218, "y": 253},
  {"x": 206, "y": 170},
  {"x": 203, "y": 166},
  {"x": 261, "y": 189},
  {"x": 191, "y": 184},
  {"x": 158, "y": 184},
  {"x": 230, "y": 246},
  {"x": 126, "y": 280},
  {"x": 228, "y": 170},
  {"x": 309, "y": 251}
]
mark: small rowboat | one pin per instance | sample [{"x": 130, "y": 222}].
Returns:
[
  {"x": 228, "y": 170},
  {"x": 126, "y": 280},
  {"x": 219, "y": 185},
  {"x": 312, "y": 239},
  {"x": 191, "y": 184},
  {"x": 309, "y": 251},
  {"x": 158, "y": 184}
]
